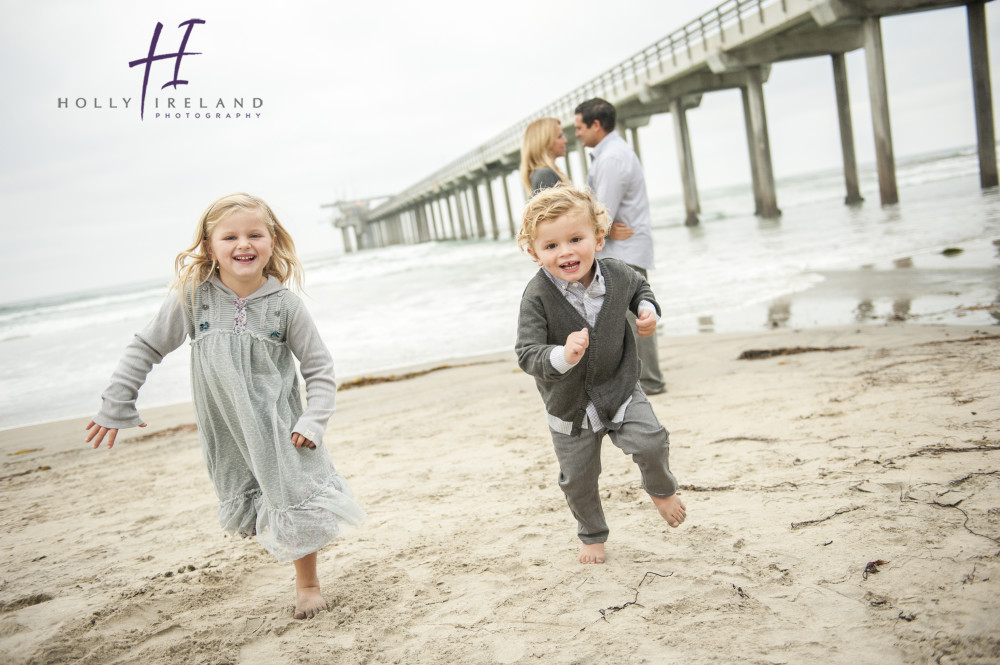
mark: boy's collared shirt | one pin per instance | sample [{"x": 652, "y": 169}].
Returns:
[{"x": 588, "y": 302}]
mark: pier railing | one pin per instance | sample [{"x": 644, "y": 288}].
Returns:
[
  {"x": 728, "y": 46},
  {"x": 679, "y": 50}
]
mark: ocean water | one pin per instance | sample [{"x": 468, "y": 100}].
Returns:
[{"x": 820, "y": 263}]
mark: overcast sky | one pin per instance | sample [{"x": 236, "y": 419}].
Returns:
[{"x": 363, "y": 99}]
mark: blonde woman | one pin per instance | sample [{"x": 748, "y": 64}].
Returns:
[{"x": 543, "y": 141}]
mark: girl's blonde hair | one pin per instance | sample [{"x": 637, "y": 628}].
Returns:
[
  {"x": 196, "y": 265},
  {"x": 535, "y": 150},
  {"x": 551, "y": 204}
]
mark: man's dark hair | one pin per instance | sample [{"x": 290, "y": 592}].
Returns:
[{"x": 600, "y": 110}]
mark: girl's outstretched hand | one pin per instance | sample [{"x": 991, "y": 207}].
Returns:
[
  {"x": 301, "y": 441},
  {"x": 97, "y": 434}
]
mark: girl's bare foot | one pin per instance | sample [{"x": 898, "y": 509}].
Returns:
[
  {"x": 309, "y": 602},
  {"x": 308, "y": 599},
  {"x": 592, "y": 553},
  {"x": 671, "y": 509}
]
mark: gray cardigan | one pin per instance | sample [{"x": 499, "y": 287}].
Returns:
[{"x": 609, "y": 370}]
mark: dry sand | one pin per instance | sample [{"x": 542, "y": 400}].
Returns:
[{"x": 798, "y": 472}]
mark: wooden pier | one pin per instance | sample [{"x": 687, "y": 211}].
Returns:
[{"x": 731, "y": 47}]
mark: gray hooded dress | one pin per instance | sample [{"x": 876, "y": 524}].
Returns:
[{"x": 247, "y": 401}]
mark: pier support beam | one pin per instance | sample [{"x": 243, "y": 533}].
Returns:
[
  {"x": 440, "y": 215},
  {"x": 634, "y": 132},
  {"x": 435, "y": 223},
  {"x": 423, "y": 232},
  {"x": 567, "y": 160},
  {"x": 452, "y": 201},
  {"x": 470, "y": 228},
  {"x": 686, "y": 162},
  {"x": 346, "y": 234},
  {"x": 510, "y": 211},
  {"x": 846, "y": 129},
  {"x": 442, "y": 220},
  {"x": 885, "y": 161},
  {"x": 463, "y": 232},
  {"x": 761, "y": 144},
  {"x": 982, "y": 94},
  {"x": 477, "y": 205},
  {"x": 493, "y": 208},
  {"x": 447, "y": 221},
  {"x": 427, "y": 220},
  {"x": 452, "y": 228},
  {"x": 396, "y": 230},
  {"x": 758, "y": 196}
]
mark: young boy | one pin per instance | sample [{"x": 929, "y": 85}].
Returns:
[{"x": 573, "y": 337}]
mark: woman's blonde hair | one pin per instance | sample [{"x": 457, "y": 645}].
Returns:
[
  {"x": 551, "y": 204},
  {"x": 196, "y": 265},
  {"x": 535, "y": 150}
]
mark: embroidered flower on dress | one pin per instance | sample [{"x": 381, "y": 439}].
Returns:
[
  {"x": 240, "y": 324},
  {"x": 203, "y": 325},
  {"x": 276, "y": 334}
]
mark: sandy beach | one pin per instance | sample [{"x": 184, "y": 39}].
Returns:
[{"x": 843, "y": 507}]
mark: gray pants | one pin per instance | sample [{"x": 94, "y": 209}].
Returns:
[
  {"x": 641, "y": 435},
  {"x": 650, "y": 376}
]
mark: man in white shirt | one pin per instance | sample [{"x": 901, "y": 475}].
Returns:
[{"x": 618, "y": 183}]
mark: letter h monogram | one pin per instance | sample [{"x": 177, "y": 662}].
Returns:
[{"x": 151, "y": 56}]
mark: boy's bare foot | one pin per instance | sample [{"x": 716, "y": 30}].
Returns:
[
  {"x": 592, "y": 553},
  {"x": 671, "y": 509},
  {"x": 309, "y": 602}
]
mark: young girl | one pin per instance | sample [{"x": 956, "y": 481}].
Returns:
[{"x": 265, "y": 455}]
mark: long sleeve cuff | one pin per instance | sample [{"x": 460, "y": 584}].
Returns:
[
  {"x": 558, "y": 360},
  {"x": 645, "y": 304}
]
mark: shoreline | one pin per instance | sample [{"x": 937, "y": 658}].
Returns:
[
  {"x": 801, "y": 474},
  {"x": 926, "y": 287},
  {"x": 12, "y": 437},
  {"x": 772, "y": 317}
]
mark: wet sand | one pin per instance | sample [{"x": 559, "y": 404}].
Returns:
[
  {"x": 959, "y": 285},
  {"x": 843, "y": 507}
]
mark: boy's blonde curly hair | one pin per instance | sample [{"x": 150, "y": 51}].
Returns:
[{"x": 552, "y": 203}]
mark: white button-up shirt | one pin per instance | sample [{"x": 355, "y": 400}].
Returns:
[{"x": 618, "y": 182}]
